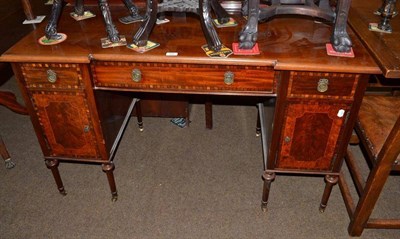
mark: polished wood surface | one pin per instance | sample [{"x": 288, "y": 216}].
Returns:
[
  {"x": 282, "y": 41},
  {"x": 384, "y": 47},
  {"x": 378, "y": 115}
]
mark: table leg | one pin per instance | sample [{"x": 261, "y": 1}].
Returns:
[
  {"x": 52, "y": 164},
  {"x": 331, "y": 180},
  {"x": 108, "y": 168},
  {"x": 268, "y": 178},
  {"x": 208, "y": 113},
  {"x": 139, "y": 115}
]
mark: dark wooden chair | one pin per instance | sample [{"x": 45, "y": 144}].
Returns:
[
  {"x": 378, "y": 130},
  {"x": 5, "y": 155},
  {"x": 9, "y": 100}
]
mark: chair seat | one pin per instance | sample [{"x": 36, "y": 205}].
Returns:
[{"x": 375, "y": 121}]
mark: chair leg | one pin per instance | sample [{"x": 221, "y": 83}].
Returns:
[
  {"x": 375, "y": 182},
  {"x": 331, "y": 180},
  {"x": 5, "y": 155}
]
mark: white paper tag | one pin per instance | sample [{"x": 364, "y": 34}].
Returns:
[
  {"x": 171, "y": 54},
  {"x": 340, "y": 113}
]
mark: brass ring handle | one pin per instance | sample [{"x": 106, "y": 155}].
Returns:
[
  {"x": 229, "y": 78},
  {"x": 51, "y": 76},
  {"x": 323, "y": 85},
  {"x": 136, "y": 75}
]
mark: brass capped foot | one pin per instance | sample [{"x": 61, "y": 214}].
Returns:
[
  {"x": 264, "y": 207},
  {"x": 114, "y": 197},
  {"x": 322, "y": 208},
  {"x": 63, "y": 192},
  {"x": 9, "y": 164}
]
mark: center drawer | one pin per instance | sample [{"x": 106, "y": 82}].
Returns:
[{"x": 168, "y": 77}]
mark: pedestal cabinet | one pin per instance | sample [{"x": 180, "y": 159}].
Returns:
[
  {"x": 313, "y": 109},
  {"x": 59, "y": 99},
  {"x": 70, "y": 123}
]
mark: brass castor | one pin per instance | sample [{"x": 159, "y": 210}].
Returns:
[
  {"x": 114, "y": 197},
  {"x": 322, "y": 208},
  {"x": 63, "y": 192},
  {"x": 141, "y": 126},
  {"x": 9, "y": 164},
  {"x": 264, "y": 207}
]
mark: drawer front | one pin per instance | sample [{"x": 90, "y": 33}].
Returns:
[
  {"x": 310, "y": 135},
  {"x": 322, "y": 85},
  {"x": 52, "y": 76},
  {"x": 184, "y": 77}
]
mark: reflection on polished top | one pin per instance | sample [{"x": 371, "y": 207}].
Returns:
[
  {"x": 284, "y": 42},
  {"x": 384, "y": 47}
]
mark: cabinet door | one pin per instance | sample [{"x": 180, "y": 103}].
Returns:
[
  {"x": 310, "y": 134},
  {"x": 65, "y": 121}
]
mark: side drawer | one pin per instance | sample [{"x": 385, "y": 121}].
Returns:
[
  {"x": 184, "y": 77},
  {"x": 52, "y": 76},
  {"x": 322, "y": 85}
]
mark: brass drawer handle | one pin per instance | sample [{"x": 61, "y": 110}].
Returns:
[
  {"x": 287, "y": 139},
  {"x": 322, "y": 85},
  {"x": 136, "y": 75},
  {"x": 51, "y": 76},
  {"x": 86, "y": 128},
  {"x": 229, "y": 78}
]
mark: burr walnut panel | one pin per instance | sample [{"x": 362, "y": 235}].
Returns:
[
  {"x": 168, "y": 77},
  {"x": 310, "y": 135},
  {"x": 52, "y": 76},
  {"x": 65, "y": 120},
  {"x": 322, "y": 85}
]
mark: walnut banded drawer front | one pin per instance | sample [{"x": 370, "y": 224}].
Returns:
[
  {"x": 322, "y": 85},
  {"x": 183, "y": 77},
  {"x": 52, "y": 76}
]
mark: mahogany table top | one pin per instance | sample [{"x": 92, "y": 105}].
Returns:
[
  {"x": 384, "y": 47},
  {"x": 285, "y": 43}
]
